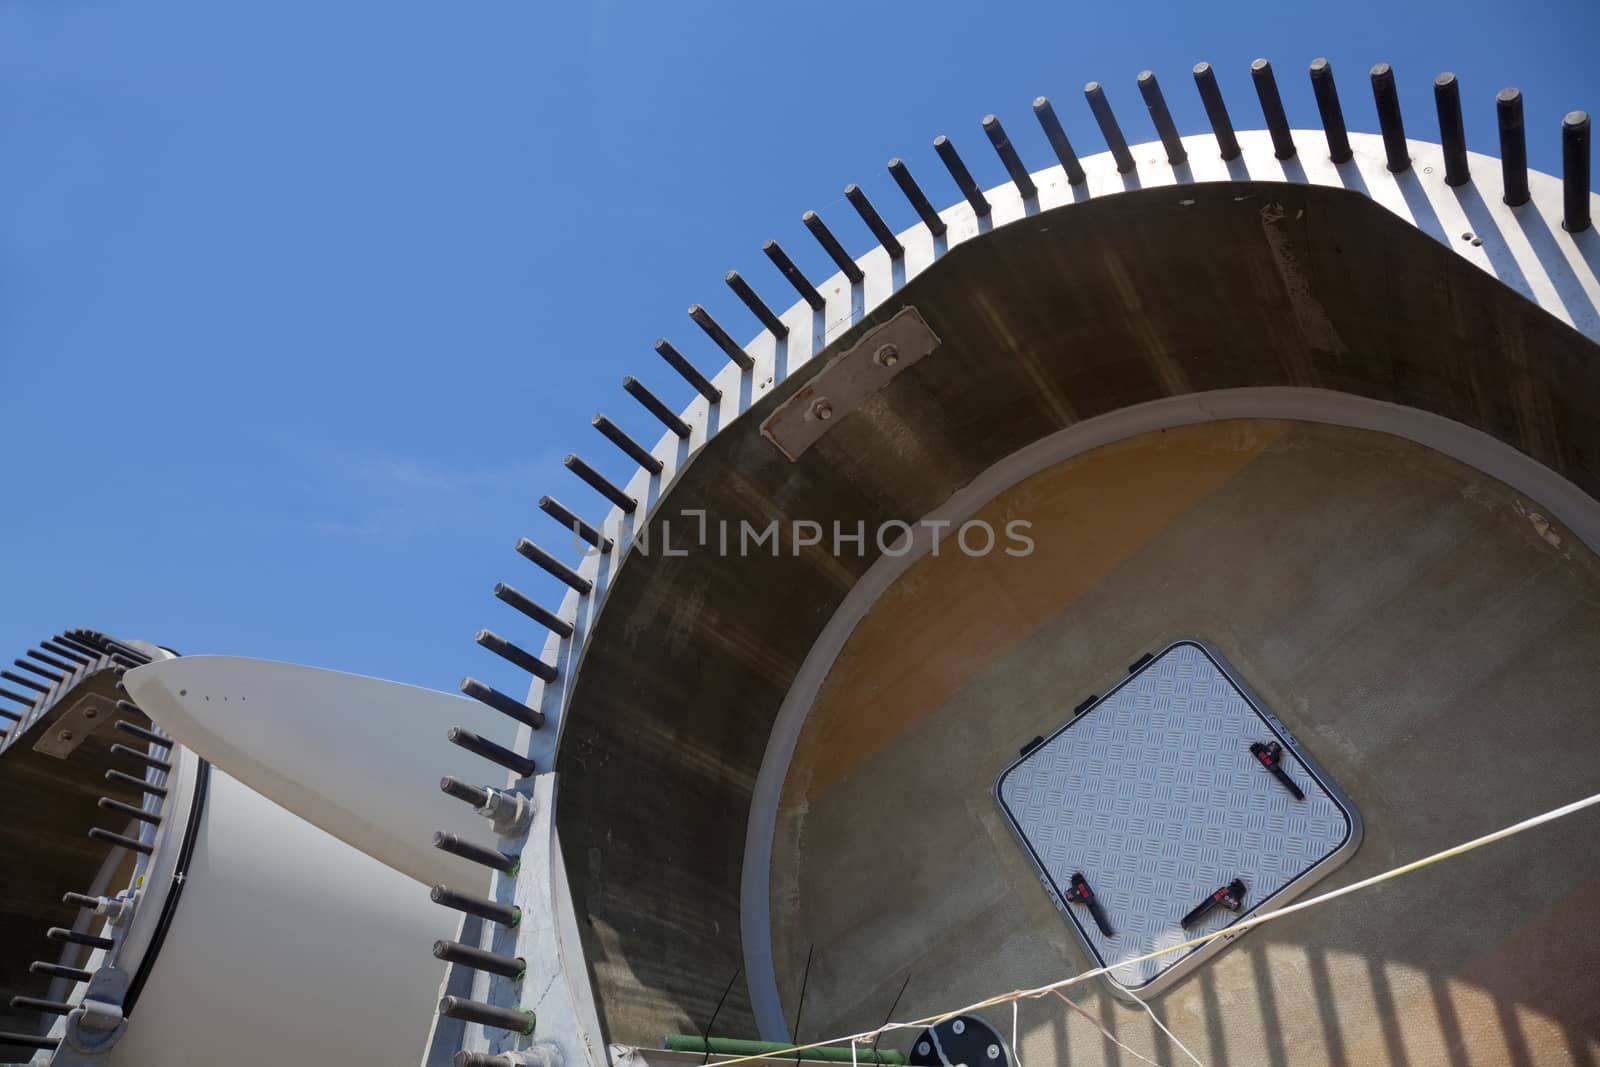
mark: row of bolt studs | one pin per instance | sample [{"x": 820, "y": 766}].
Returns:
[
  {"x": 56, "y": 661},
  {"x": 1447, "y": 97},
  {"x": 507, "y": 915},
  {"x": 85, "y": 649}
]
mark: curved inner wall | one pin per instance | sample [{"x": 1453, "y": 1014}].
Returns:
[
  {"x": 1428, "y": 634},
  {"x": 1043, "y": 324}
]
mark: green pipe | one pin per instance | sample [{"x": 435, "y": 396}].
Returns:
[{"x": 733, "y": 1046}]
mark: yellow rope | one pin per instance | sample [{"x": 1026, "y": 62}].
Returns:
[{"x": 1229, "y": 931}]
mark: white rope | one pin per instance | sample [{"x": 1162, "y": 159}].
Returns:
[
  {"x": 1157, "y": 1020},
  {"x": 1098, "y": 1026},
  {"x": 1227, "y": 931}
]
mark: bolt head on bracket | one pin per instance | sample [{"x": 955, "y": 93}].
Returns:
[{"x": 848, "y": 381}]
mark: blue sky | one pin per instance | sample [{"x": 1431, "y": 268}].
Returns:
[{"x": 302, "y": 304}]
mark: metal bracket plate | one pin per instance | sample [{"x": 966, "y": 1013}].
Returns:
[
  {"x": 848, "y": 380},
  {"x": 1153, "y": 794},
  {"x": 73, "y": 726}
]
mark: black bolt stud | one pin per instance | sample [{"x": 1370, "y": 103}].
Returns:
[
  {"x": 491, "y": 910},
  {"x": 1009, "y": 158},
  {"x": 52, "y": 676},
  {"x": 1107, "y": 120},
  {"x": 1161, "y": 117},
  {"x": 81, "y": 900},
  {"x": 537, "y": 612},
  {"x": 464, "y": 1058},
  {"x": 598, "y": 482},
  {"x": 512, "y": 967},
  {"x": 473, "y": 852},
  {"x": 109, "y": 804},
  {"x": 1327, "y": 94},
  {"x": 1078, "y": 892},
  {"x": 963, "y": 177},
  {"x": 121, "y": 841},
  {"x": 8, "y": 1037},
  {"x": 918, "y": 199},
  {"x": 508, "y": 706},
  {"x": 475, "y": 1011},
  {"x": 73, "y": 937},
  {"x": 65, "y": 653},
  {"x": 631, "y": 448},
  {"x": 1229, "y": 897},
  {"x": 720, "y": 337},
  {"x": 1272, "y": 108},
  {"x": 1452, "y": 134},
  {"x": 794, "y": 275},
  {"x": 758, "y": 307},
  {"x": 1205, "y": 79},
  {"x": 43, "y": 1007},
  {"x": 455, "y": 787},
  {"x": 143, "y": 757},
  {"x": 687, "y": 371},
  {"x": 498, "y": 754},
  {"x": 517, "y": 655},
  {"x": 18, "y": 697},
  {"x": 1387, "y": 98},
  {"x": 565, "y": 516},
  {"x": 28, "y": 683},
  {"x": 652, "y": 403},
  {"x": 137, "y": 783},
  {"x": 1575, "y": 171},
  {"x": 1270, "y": 756},
  {"x": 830, "y": 244},
  {"x": 1051, "y": 125},
  {"x": 56, "y": 970},
  {"x": 50, "y": 661},
  {"x": 552, "y": 566},
  {"x": 1513, "y": 146},
  {"x": 135, "y": 729},
  {"x": 874, "y": 221}
]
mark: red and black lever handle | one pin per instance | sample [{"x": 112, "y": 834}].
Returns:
[
  {"x": 1270, "y": 756},
  {"x": 1080, "y": 893},
  {"x": 1230, "y": 896}
]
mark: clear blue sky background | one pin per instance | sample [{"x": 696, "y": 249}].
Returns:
[{"x": 302, "y": 304}]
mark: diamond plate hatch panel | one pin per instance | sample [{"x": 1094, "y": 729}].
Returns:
[{"x": 1152, "y": 793}]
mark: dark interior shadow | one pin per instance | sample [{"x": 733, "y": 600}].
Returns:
[
  {"x": 1351, "y": 178},
  {"x": 1388, "y": 1021},
  {"x": 1422, "y": 213},
  {"x": 1166, "y": 1051},
  {"x": 1108, "y": 1019},
  {"x": 1485, "y": 229},
  {"x": 1449, "y": 1024},
  {"x": 1270, "y": 1022},
  {"x": 1588, "y": 243},
  {"x": 1322, "y": 986},
  {"x": 1516, "y": 1040},
  {"x": 1213, "y": 1017},
  {"x": 1556, "y": 267}
]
